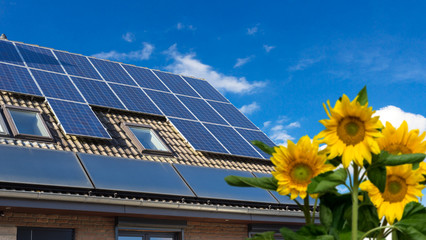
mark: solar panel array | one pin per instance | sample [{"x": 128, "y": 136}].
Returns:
[{"x": 73, "y": 83}]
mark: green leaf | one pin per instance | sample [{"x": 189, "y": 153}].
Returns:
[
  {"x": 327, "y": 181},
  {"x": 288, "y": 234},
  {"x": 348, "y": 235},
  {"x": 326, "y": 215},
  {"x": 362, "y": 96},
  {"x": 337, "y": 203},
  {"x": 265, "y": 148},
  {"x": 268, "y": 183},
  {"x": 263, "y": 236},
  {"x": 409, "y": 233},
  {"x": 312, "y": 230},
  {"x": 395, "y": 160},
  {"x": 413, "y": 222},
  {"x": 377, "y": 175},
  {"x": 413, "y": 208}
]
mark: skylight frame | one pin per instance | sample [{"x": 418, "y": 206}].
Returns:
[
  {"x": 126, "y": 126},
  {"x": 14, "y": 128}
]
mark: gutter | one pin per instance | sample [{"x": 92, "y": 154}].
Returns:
[{"x": 15, "y": 198}]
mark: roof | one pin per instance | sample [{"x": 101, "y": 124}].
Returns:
[{"x": 121, "y": 145}]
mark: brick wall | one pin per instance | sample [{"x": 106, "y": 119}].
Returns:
[
  {"x": 215, "y": 231},
  {"x": 97, "y": 227},
  {"x": 86, "y": 227}
]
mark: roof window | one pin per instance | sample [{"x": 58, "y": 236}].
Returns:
[
  {"x": 26, "y": 122},
  {"x": 146, "y": 139}
]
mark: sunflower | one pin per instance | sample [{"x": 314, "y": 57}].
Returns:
[
  {"x": 351, "y": 131},
  {"x": 402, "y": 186},
  {"x": 296, "y": 165},
  {"x": 401, "y": 141}
]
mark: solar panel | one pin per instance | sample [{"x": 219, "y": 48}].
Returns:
[
  {"x": 77, "y": 65},
  {"x": 284, "y": 199},
  {"x": 42, "y": 167},
  {"x": 17, "y": 79},
  {"x": 198, "y": 136},
  {"x": 78, "y": 119},
  {"x": 97, "y": 93},
  {"x": 176, "y": 84},
  {"x": 206, "y": 90},
  {"x": 40, "y": 58},
  {"x": 9, "y": 53},
  {"x": 209, "y": 183},
  {"x": 145, "y": 78},
  {"x": 250, "y": 135},
  {"x": 232, "y": 141},
  {"x": 135, "y": 99},
  {"x": 57, "y": 86},
  {"x": 202, "y": 110},
  {"x": 169, "y": 104},
  {"x": 232, "y": 115},
  {"x": 122, "y": 174},
  {"x": 112, "y": 72}
]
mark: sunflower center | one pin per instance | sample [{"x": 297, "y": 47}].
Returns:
[
  {"x": 351, "y": 130},
  {"x": 397, "y": 149},
  {"x": 395, "y": 190},
  {"x": 301, "y": 173}
]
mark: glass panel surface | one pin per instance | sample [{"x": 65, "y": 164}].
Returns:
[
  {"x": 9, "y": 53},
  {"x": 176, "y": 84},
  {"x": 129, "y": 238},
  {"x": 41, "y": 167},
  {"x": 122, "y": 174},
  {"x": 40, "y": 58},
  {"x": 148, "y": 138},
  {"x": 17, "y": 79},
  {"x": 232, "y": 141},
  {"x": 28, "y": 122},
  {"x": 198, "y": 136},
  {"x": 57, "y": 86},
  {"x": 78, "y": 119},
  {"x": 160, "y": 238},
  {"x": 210, "y": 183}
]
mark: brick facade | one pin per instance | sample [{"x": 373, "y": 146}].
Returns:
[
  {"x": 86, "y": 227},
  {"x": 101, "y": 227},
  {"x": 215, "y": 231}
]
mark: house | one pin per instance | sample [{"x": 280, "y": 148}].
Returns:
[{"x": 94, "y": 149}]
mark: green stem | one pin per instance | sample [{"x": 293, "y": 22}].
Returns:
[
  {"x": 306, "y": 213},
  {"x": 315, "y": 209},
  {"x": 382, "y": 233},
  {"x": 375, "y": 229},
  {"x": 355, "y": 203},
  {"x": 306, "y": 209}
]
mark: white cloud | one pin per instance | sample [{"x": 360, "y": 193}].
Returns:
[
  {"x": 181, "y": 26},
  {"x": 186, "y": 64},
  {"x": 278, "y": 129},
  {"x": 250, "y": 108},
  {"x": 268, "y": 48},
  {"x": 242, "y": 61},
  {"x": 304, "y": 63},
  {"x": 253, "y": 30},
  {"x": 143, "y": 54},
  {"x": 395, "y": 116},
  {"x": 294, "y": 125},
  {"x": 128, "y": 37}
]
